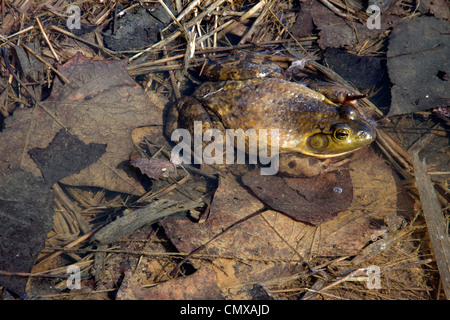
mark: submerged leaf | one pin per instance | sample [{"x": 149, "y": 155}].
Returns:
[
  {"x": 154, "y": 168},
  {"x": 64, "y": 156},
  {"x": 26, "y": 212},
  {"x": 102, "y": 104}
]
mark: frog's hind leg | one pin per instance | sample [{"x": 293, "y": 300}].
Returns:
[
  {"x": 351, "y": 99},
  {"x": 336, "y": 93},
  {"x": 189, "y": 114}
]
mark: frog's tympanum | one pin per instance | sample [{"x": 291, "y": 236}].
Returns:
[{"x": 252, "y": 92}]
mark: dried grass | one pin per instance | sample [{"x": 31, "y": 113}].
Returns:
[{"x": 201, "y": 31}]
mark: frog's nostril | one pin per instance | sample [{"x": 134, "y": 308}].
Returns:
[{"x": 366, "y": 135}]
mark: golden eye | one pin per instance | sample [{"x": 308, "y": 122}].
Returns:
[
  {"x": 318, "y": 142},
  {"x": 341, "y": 134}
]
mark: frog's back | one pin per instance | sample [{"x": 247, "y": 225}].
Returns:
[{"x": 266, "y": 103}]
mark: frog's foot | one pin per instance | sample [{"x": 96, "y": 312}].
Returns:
[
  {"x": 336, "y": 93},
  {"x": 332, "y": 165},
  {"x": 350, "y": 99},
  {"x": 301, "y": 166}
]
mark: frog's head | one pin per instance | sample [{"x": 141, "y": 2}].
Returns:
[{"x": 345, "y": 134}]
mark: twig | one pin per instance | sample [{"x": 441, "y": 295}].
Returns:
[
  {"x": 70, "y": 245},
  {"x": 157, "y": 45},
  {"x": 5, "y": 57},
  {"x": 47, "y": 40},
  {"x": 152, "y": 66},
  {"x": 149, "y": 195},
  {"x": 110, "y": 52},
  {"x": 203, "y": 246},
  {"x": 176, "y": 34},
  {"x": 18, "y": 33},
  {"x": 436, "y": 224},
  {"x": 173, "y": 81},
  {"x": 338, "y": 11},
  {"x": 140, "y": 217},
  {"x": 189, "y": 8},
  {"x": 46, "y": 63},
  {"x": 256, "y": 24},
  {"x": 244, "y": 17},
  {"x": 36, "y": 275},
  {"x": 174, "y": 18},
  {"x": 340, "y": 280},
  {"x": 84, "y": 226},
  {"x": 290, "y": 34},
  {"x": 171, "y": 255},
  {"x": 116, "y": 8}
]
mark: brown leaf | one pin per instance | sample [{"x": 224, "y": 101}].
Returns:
[
  {"x": 414, "y": 69},
  {"x": 311, "y": 200},
  {"x": 199, "y": 286},
  {"x": 337, "y": 32},
  {"x": 438, "y": 8},
  {"x": 65, "y": 155},
  {"x": 154, "y": 168},
  {"x": 102, "y": 104},
  {"x": 271, "y": 244},
  {"x": 26, "y": 212}
]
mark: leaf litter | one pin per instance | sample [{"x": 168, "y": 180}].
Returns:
[
  {"x": 261, "y": 247},
  {"x": 92, "y": 83}
]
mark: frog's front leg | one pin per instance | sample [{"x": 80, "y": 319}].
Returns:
[{"x": 296, "y": 165}]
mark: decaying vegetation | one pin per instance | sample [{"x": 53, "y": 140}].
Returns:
[{"x": 36, "y": 41}]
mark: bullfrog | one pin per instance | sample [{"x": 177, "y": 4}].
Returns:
[{"x": 253, "y": 92}]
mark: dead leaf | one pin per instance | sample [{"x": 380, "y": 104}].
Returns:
[
  {"x": 102, "y": 104},
  {"x": 414, "y": 66},
  {"x": 303, "y": 25},
  {"x": 64, "y": 156},
  {"x": 364, "y": 72},
  {"x": 337, "y": 32},
  {"x": 200, "y": 286},
  {"x": 334, "y": 30},
  {"x": 26, "y": 212},
  {"x": 438, "y": 8},
  {"x": 311, "y": 200},
  {"x": 271, "y": 244},
  {"x": 154, "y": 168}
]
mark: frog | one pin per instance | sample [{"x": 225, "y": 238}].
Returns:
[{"x": 316, "y": 129}]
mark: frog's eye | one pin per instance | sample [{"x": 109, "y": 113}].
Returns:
[
  {"x": 341, "y": 133},
  {"x": 318, "y": 142}
]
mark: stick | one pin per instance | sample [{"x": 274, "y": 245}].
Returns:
[
  {"x": 176, "y": 34},
  {"x": 203, "y": 246},
  {"x": 70, "y": 245},
  {"x": 46, "y": 63},
  {"x": 140, "y": 217},
  {"x": 47, "y": 40},
  {"x": 84, "y": 226},
  {"x": 436, "y": 223},
  {"x": 110, "y": 52}
]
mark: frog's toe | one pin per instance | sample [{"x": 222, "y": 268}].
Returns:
[{"x": 350, "y": 98}]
